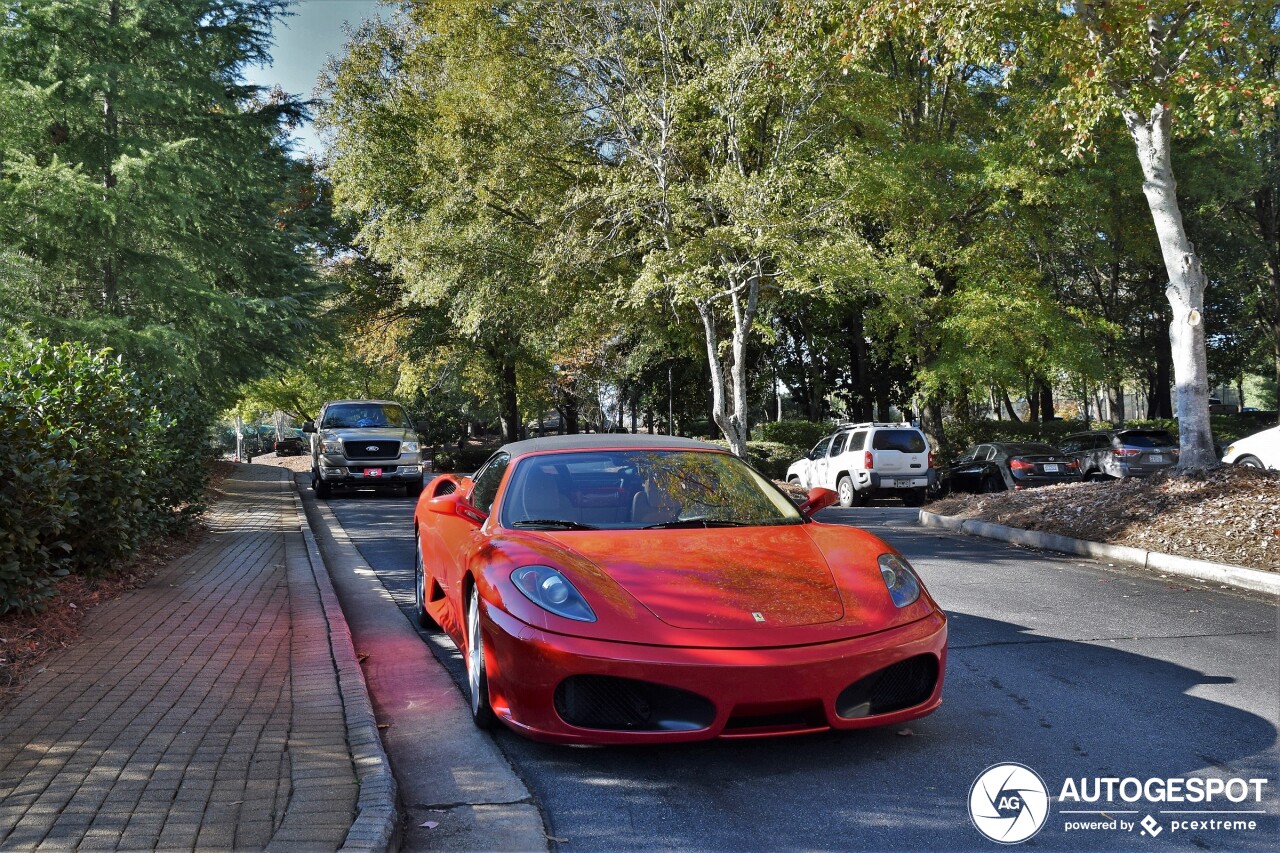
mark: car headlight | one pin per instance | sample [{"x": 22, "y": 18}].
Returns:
[
  {"x": 900, "y": 579},
  {"x": 1231, "y": 448},
  {"x": 409, "y": 447},
  {"x": 331, "y": 445},
  {"x": 551, "y": 591}
]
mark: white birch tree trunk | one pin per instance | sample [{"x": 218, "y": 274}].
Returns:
[
  {"x": 729, "y": 381},
  {"x": 1151, "y": 135}
]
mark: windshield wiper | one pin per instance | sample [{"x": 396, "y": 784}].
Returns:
[
  {"x": 696, "y": 521},
  {"x": 554, "y": 523}
]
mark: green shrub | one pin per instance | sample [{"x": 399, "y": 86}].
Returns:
[
  {"x": 101, "y": 459},
  {"x": 770, "y": 458},
  {"x": 466, "y": 461},
  {"x": 796, "y": 433}
]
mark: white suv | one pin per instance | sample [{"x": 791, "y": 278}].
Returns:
[
  {"x": 1260, "y": 450},
  {"x": 862, "y": 460}
]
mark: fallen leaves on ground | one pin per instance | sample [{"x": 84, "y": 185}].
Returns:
[{"x": 1226, "y": 515}]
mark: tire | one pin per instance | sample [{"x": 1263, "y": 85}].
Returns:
[
  {"x": 1249, "y": 462},
  {"x": 848, "y": 494},
  {"x": 991, "y": 483},
  {"x": 420, "y": 588},
  {"x": 915, "y": 497},
  {"x": 413, "y": 489},
  {"x": 323, "y": 490},
  {"x": 477, "y": 678}
]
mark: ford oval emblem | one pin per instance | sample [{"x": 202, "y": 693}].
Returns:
[{"x": 372, "y": 448}]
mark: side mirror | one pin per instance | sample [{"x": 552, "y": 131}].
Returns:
[
  {"x": 818, "y": 499},
  {"x": 309, "y": 426},
  {"x": 455, "y": 504},
  {"x": 422, "y": 426}
]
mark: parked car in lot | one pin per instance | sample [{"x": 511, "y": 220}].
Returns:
[
  {"x": 364, "y": 444},
  {"x": 861, "y": 461},
  {"x": 1260, "y": 450},
  {"x": 1000, "y": 465},
  {"x": 290, "y": 443},
  {"x": 637, "y": 589},
  {"x": 1120, "y": 453}
]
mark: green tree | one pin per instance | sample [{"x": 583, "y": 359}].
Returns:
[
  {"x": 1144, "y": 62},
  {"x": 453, "y": 152},
  {"x": 147, "y": 200}
]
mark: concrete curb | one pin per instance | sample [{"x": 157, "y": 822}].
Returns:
[
  {"x": 1221, "y": 573},
  {"x": 377, "y": 817}
]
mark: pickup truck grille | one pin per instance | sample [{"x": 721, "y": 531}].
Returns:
[{"x": 371, "y": 449}]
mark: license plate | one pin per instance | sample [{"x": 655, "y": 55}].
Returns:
[
  {"x": 903, "y": 484},
  {"x": 1155, "y": 457},
  {"x": 1050, "y": 468},
  {"x": 373, "y": 472}
]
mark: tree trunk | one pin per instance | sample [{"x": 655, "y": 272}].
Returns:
[
  {"x": 1046, "y": 399},
  {"x": 1117, "y": 405},
  {"x": 744, "y": 300},
  {"x": 1008, "y": 406},
  {"x": 1185, "y": 292},
  {"x": 931, "y": 422},
  {"x": 508, "y": 409}
]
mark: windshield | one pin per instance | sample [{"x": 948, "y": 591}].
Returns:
[
  {"x": 349, "y": 415},
  {"x": 641, "y": 489}
]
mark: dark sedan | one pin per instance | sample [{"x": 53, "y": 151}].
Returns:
[{"x": 1000, "y": 465}]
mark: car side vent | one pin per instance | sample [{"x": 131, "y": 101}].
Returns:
[
  {"x": 445, "y": 487},
  {"x": 624, "y": 704},
  {"x": 904, "y": 684}
]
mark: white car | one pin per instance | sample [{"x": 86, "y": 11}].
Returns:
[
  {"x": 1260, "y": 450},
  {"x": 862, "y": 460}
]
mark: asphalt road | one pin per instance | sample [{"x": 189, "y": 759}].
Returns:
[{"x": 1073, "y": 668}]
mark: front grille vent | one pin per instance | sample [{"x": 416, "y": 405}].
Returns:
[
  {"x": 894, "y": 688},
  {"x": 624, "y": 704},
  {"x": 371, "y": 449}
]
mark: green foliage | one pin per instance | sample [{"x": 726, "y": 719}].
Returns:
[
  {"x": 466, "y": 460},
  {"x": 796, "y": 433},
  {"x": 147, "y": 199},
  {"x": 101, "y": 459},
  {"x": 771, "y": 458}
]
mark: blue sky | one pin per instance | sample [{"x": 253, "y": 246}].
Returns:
[{"x": 302, "y": 43}]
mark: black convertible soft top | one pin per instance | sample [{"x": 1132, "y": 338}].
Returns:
[{"x": 611, "y": 440}]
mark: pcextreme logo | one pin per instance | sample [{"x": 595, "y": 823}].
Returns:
[{"x": 1008, "y": 803}]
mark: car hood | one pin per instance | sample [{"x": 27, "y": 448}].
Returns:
[
  {"x": 366, "y": 433},
  {"x": 719, "y": 578}
]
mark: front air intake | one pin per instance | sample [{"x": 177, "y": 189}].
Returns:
[
  {"x": 903, "y": 685},
  {"x": 625, "y": 704}
]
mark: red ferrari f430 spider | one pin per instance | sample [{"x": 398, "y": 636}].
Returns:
[{"x": 637, "y": 588}]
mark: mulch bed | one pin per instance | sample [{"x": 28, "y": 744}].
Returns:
[{"x": 1226, "y": 515}]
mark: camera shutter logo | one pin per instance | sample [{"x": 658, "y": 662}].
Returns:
[{"x": 1008, "y": 803}]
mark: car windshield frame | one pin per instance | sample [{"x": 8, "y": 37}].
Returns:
[
  {"x": 639, "y": 489},
  {"x": 365, "y": 416}
]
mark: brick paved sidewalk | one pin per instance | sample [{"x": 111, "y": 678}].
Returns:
[{"x": 202, "y": 711}]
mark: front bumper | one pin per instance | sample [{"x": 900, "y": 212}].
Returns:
[
  {"x": 369, "y": 474},
  {"x": 746, "y": 692}
]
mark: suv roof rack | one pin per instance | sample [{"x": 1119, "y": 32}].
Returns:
[{"x": 846, "y": 424}]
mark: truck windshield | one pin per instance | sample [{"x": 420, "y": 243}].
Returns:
[{"x": 349, "y": 415}]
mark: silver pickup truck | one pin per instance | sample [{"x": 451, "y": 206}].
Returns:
[{"x": 364, "y": 444}]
